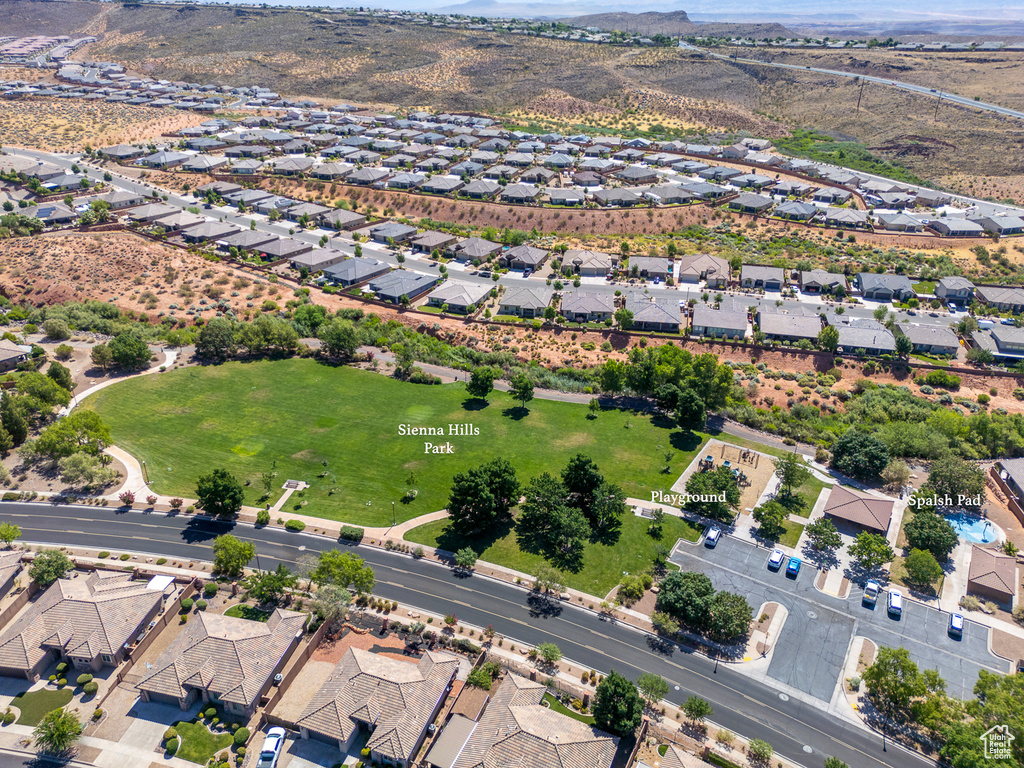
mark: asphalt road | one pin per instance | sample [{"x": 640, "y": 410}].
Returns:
[{"x": 802, "y": 732}]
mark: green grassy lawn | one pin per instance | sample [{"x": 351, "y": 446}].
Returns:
[
  {"x": 792, "y": 534},
  {"x": 808, "y": 494},
  {"x": 924, "y": 286},
  {"x": 300, "y": 413},
  {"x": 558, "y": 706},
  {"x": 898, "y": 575},
  {"x": 35, "y": 704},
  {"x": 198, "y": 744},
  {"x": 933, "y": 359},
  {"x": 251, "y": 612},
  {"x": 603, "y": 563}
]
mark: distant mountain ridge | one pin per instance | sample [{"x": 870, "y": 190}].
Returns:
[{"x": 673, "y": 23}]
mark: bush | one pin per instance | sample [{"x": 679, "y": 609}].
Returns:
[
  {"x": 210, "y": 589},
  {"x": 210, "y": 713},
  {"x": 97, "y": 714},
  {"x": 61, "y": 668},
  {"x": 171, "y": 746},
  {"x": 170, "y": 733},
  {"x": 201, "y": 605},
  {"x": 263, "y": 517},
  {"x": 124, "y": 557},
  {"x": 350, "y": 533},
  {"x": 983, "y": 399},
  {"x": 295, "y": 525},
  {"x": 186, "y": 604},
  {"x": 8, "y": 718},
  {"x": 62, "y": 682},
  {"x": 760, "y": 750},
  {"x": 1018, "y": 614},
  {"x": 241, "y": 736},
  {"x": 161, "y": 560},
  {"x": 103, "y": 555},
  {"x": 91, "y": 688},
  {"x": 84, "y": 678},
  {"x": 418, "y": 552}
]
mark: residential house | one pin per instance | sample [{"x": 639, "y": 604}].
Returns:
[
  {"x": 312, "y": 211},
  {"x": 517, "y": 729},
  {"x": 391, "y": 701},
  {"x": 1000, "y": 225},
  {"x": 151, "y": 212},
  {"x": 582, "y": 307},
  {"x": 667, "y": 194},
  {"x": 395, "y": 286},
  {"x": 520, "y": 193},
  {"x": 718, "y": 323},
  {"x": 318, "y": 260},
  {"x": 653, "y": 314},
  {"x": 223, "y": 660},
  {"x": 957, "y": 227},
  {"x": 406, "y": 180},
  {"x": 249, "y": 167},
  {"x": 331, "y": 171},
  {"x": 703, "y": 266},
  {"x": 751, "y": 181},
  {"x": 10, "y": 562},
  {"x": 590, "y": 263},
  {"x": 783, "y": 326},
  {"x": 526, "y": 301},
  {"x": 635, "y": 174},
  {"x": 355, "y": 271},
  {"x": 538, "y": 176},
  {"x": 293, "y": 166},
  {"x": 431, "y": 241},
  {"x": 748, "y": 202},
  {"x": 247, "y": 240},
  {"x": 719, "y": 173},
  {"x": 992, "y": 576},
  {"x": 955, "y": 288},
  {"x": 86, "y": 621},
  {"x": 832, "y": 195},
  {"x": 500, "y": 172},
  {"x": 341, "y": 219},
  {"x": 475, "y": 249},
  {"x": 208, "y": 230},
  {"x": 651, "y": 267},
  {"x": 862, "y": 510},
  {"x": 885, "y": 287},
  {"x": 51, "y": 214},
  {"x": 121, "y": 152},
  {"x": 442, "y": 185},
  {"x": 11, "y": 354},
  {"x": 586, "y": 179},
  {"x": 563, "y": 196},
  {"x": 821, "y": 281},
  {"x": 164, "y": 159},
  {"x": 930, "y": 339},
  {"x": 364, "y": 177},
  {"x": 204, "y": 163},
  {"x": 481, "y": 189},
  {"x": 862, "y": 336},
  {"x": 900, "y": 222},
  {"x": 794, "y": 210},
  {"x": 284, "y": 248},
  {"x": 392, "y": 231},
  {"x": 523, "y": 257},
  {"x": 622, "y": 198},
  {"x": 758, "y": 276},
  {"x": 463, "y": 298}
]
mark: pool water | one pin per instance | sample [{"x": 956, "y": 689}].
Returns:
[{"x": 971, "y": 528}]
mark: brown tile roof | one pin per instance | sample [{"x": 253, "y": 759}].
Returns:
[
  {"x": 517, "y": 731},
  {"x": 993, "y": 571},
  {"x": 397, "y": 697},
  {"x": 10, "y": 564},
  {"x": 83, "y": 617},
  {"x": 230, "y": 657},
  {"x": 860, "y": 508},
  {"x": 677, "y": 758}
]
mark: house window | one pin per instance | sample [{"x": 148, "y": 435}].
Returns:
[{"x": 108, "y": 659}]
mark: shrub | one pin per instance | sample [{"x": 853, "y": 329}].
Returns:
[
  {"x": 970, "y": 603},
  {"x": 91, "y": 688},
  {"x": 186, "y": 604},
  {"x": 241, "y": 736},
  {"x": 201, "y": 605},
  {"x": 61, "y": 668},
  {"x": 295, "y": 525},
  {"x": 97, "y": 714},
  {"x": 103, "y": 555},
  {"x": 210, "y": 589},
  {"x": 210, "y": 712},
  {"x": 418, "y": 552},
  {"x": 124, "y": 557},
  {"x": 84, "y": 678},
  {"x": 161, "y": 561},
  {"x": 170, "y": 733},
  {"x": 350, "y": 533},
  {"x": 62, "y": 682},
  {"x": 171, "y": 746},
  {"x": 263, "y": 517},
  {"x": 983, "y": 399},
  {"x": 1019, "y": 393}
]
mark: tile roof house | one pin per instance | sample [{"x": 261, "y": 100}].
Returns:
[
  {"x": 885, "y": 287},
  {"x": 930, "y": 339},
  {"x": 786, "y": 327},
  {"x": 653, "y": 314},
  {"x": 318, "y": 260},
  {"x": 340, "y": 219},
  {"x": 845, "y": 217},
  {"x": 900, "y": 222},
  {"x": 460, "y": 297},
  {"x": 520, "y": 193},
  {"x": 617, "y": 197},
  {"x": 430, "y": 241},
  {"x": 955, "y": 287},
  {"x": 651, "y": 266},
  {"x": 794, "y": 210},
  {"x": 518, "y": 731},
  {"x": 394, "y": 285},
  {"x": 356, "y": 270},
  {"x": 475, "y": 248},
  {"x": 590, "y": 263},
  {"x": 759, "y": 276},
  {"x": 209, "y": 230},
  {"x": 992, "y": 575},
  {"x": 85, "y": 620},
  {"x": 565, "y": 196},
  {"x": 11, "y": 354},
  {"x": 1000, "y": 297},
  {"x": 526, "y": 301},
  {"x": 391, "y": 230},
  {"x": 718, "y": 322},
  {"x": 390, "y": 699},
  {"x": 523, "y": 257},
  {"x": 222, "y": 659},
  {"x": 703, "y": 266},
  {"x": 868, "y": 512},
  {"x": 957, "y": 227},
  {"x": 582, "y": 307},
  {"x": 10, "y": 567},
  {"x": 821, "y": 281}
]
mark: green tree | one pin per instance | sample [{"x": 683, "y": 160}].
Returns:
[
  {"x": 871, "y": 550},
  {"x": 548, "y": 579},
  {"x": 691, "y": 414},
  {"x": 999, "y": 700},
  {"x": 624, "y": 318},
  {"x": 216, "y": 340},
  {"x": 44, "y": 392},
  {"x": 521, "y": 388},
  {"x": 549, "y": 652},
  {"x": 903, "y": 346},
  {"x": 12, "y": 421},
  {"x": 48, "y": 566},
  {"x": 697, "y": 710},
  {"x": 100, "y": 356},
  {"x": 481, "y": 382},
  {"x": 760, "y": 751},
  {"x": 791, "y": 471},
  {"x": 57, "y": 732},
  {"x": 582, "y": 479},
  {"x": 705, "y": 488},
  {"x": 339, "y": 338},
  {"x": 61, "y": 375},
  {"x": 85, "y": 470},
  {"x": 771, "y": 518},
  {"x": 343, "y": 569},
  {"x": 9, "y": 533},
  {"x": 231, "y": 555},
  {"x": 958, "y": 480},
  {"x": 828, "y": 338},
  {"x": 618, "y": 708},
  {"x": 79, "y": 431},
  {"x": 465, "y": 559},
  {"x": 922, "y": 568},
  {"x": 835, "y": 762},
  {"x": 608, "y": 508},
  {"x": 613, "y": 376},
  {"x": 932, "y": 533},
  {"x": 547, "y": 522},
  {"x": 823, "y": 535},
  {"x": 859, "y": 454},
  {"x": 896, "y": 474},
  {"x": 893, "y": 681},
  {"x": 687, "y": 596},
  {"x": 219, "y": 493},
  {"x": 330, "y": 602},
  {"x": 128, "y": 350},
  {"x": 56, "y": 329},
  {"x": 270, "y": 586},
  {"x": 652, "y": 687},
  {"x": 482, "y": 496},
  {"x": 730, "y": 616}
]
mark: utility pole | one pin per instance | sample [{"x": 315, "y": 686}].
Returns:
[
  {"x": 936, "y": 116},
  {"x": 861, "y": 94}
]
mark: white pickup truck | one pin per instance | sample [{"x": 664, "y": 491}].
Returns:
[{"x": 871, "y": 590}]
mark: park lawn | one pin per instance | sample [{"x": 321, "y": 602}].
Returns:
[
  {"x": 198, "y": 744},
  {"x": 792, "y": 534},
  {"x": 603, "y": 564},
  {"x": 303, "y": 419},
  {"x": 808, "y": 494},
  {"x": 34, "y": 705},
  {"x": 251, "y": 612},
  {"x": 558, "y": 706},
  {"x": 898, "y": 575}
]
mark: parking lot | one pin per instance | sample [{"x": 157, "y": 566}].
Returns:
[{"x": 811, "y": 650}]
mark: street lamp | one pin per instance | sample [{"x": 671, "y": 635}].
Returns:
[{"x": 394, "y": 520}]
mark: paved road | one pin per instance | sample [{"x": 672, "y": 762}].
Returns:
[
  {"x": 811, "y": 650},
  {"x": 920, "y": 89},
  {"x": 741, "y": 704}
]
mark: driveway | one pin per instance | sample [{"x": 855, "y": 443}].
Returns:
[{"x": 811, "y": 649}]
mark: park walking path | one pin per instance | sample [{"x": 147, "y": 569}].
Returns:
[{"x": 170, "y": 355}]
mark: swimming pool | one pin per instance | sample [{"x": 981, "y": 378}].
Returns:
[{"x": 973, "y": 528}]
